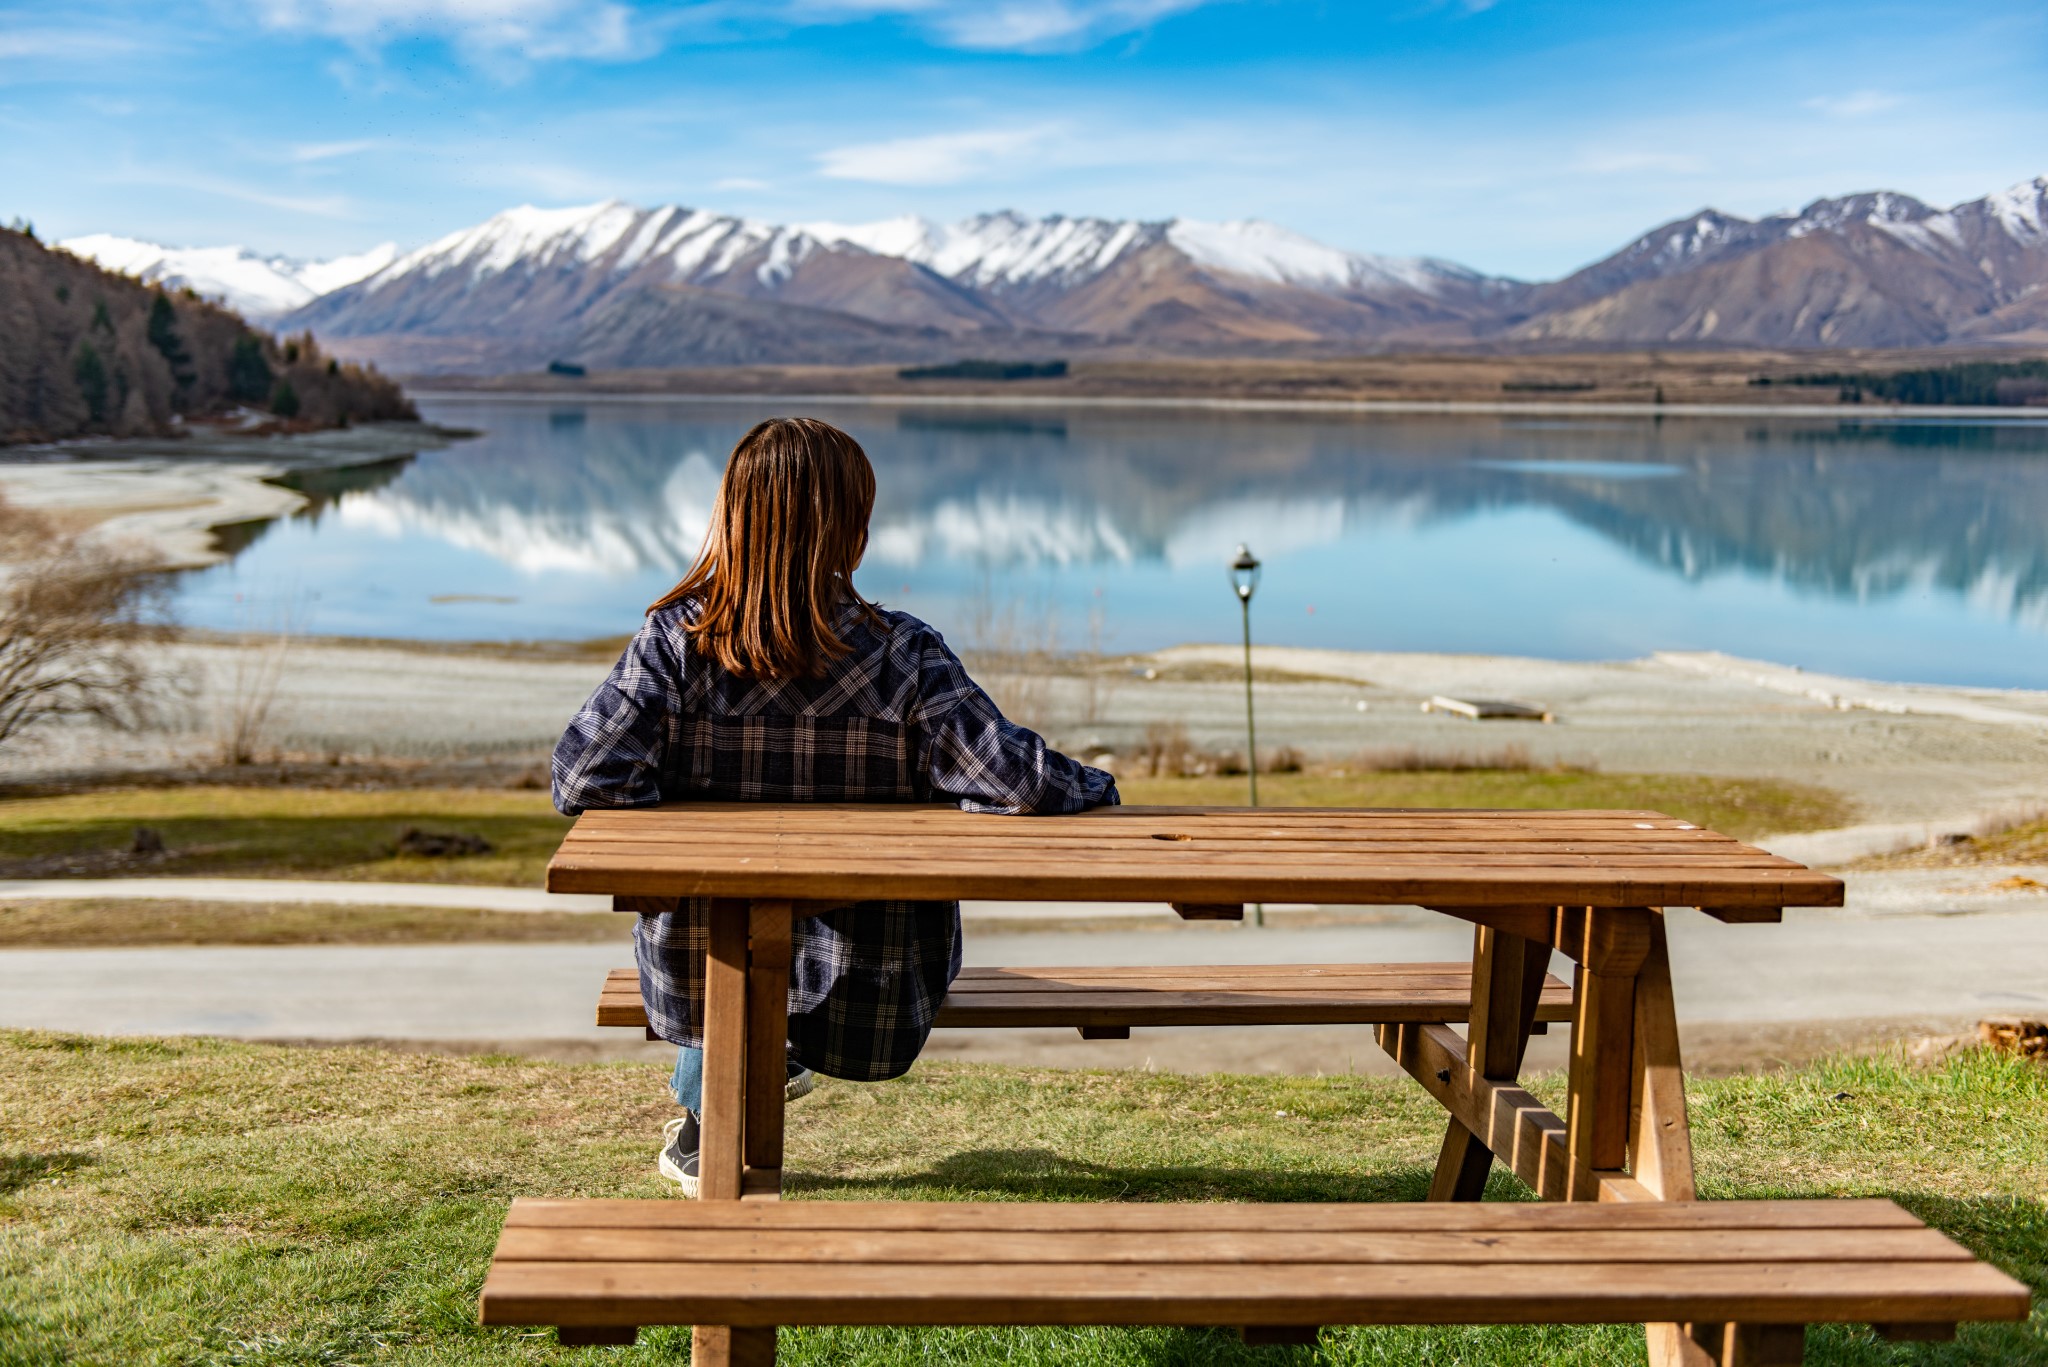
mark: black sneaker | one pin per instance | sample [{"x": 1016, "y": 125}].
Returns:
[
  {"x": 679, "y": 1144},
  {"x": 681, "y": 1138}
]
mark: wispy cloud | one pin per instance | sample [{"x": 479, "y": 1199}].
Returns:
[
  {"x": 167, "y": 178},
  {"x": 739, "y": 183},
  {"x": 488, "y": 30},
  {"x": 63, "y": 44},
  {"x": 1860, "y": 104},
  {"x": 328, "y": 151},
  {"x": 1005, "y": 25},
  {"x": 1620, "y": 162},
  {"x": 934, "y": 159}
]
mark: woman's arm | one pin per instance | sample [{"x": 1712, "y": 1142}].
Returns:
[
  {"x": 611, "y": 753},
  {"x": 987, "y": 763}
]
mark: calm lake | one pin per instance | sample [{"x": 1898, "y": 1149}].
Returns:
[{"x": 1894, "y": 549}]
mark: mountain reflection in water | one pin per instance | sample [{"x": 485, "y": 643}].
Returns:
[{"x": 1897, "y": 549}]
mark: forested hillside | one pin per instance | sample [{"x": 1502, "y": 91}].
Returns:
[{"x": 84, "y": 351}]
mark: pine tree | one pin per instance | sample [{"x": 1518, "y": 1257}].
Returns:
[
  {"x": 163, "y": 335},
  {"x": 249, "y": 375},
  {"x": 90, "y": 374},
  {"x": 284, "y": 400}
]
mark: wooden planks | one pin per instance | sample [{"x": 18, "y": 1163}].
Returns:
[
  {"x": 1189, "y": 855},
  {"x": 1756, "y": 1263},
  {"x": 1246, "y": 994},
  {"x": 1862, "y": 1213}
]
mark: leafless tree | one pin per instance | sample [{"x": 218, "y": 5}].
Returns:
[
  {"x": 244, "y": 709},
  {"x": 77, "y": 619}
]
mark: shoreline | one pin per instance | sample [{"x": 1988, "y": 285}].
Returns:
[
  {"x": 171, "y": 498},
  {"x": 1398, "y": 407}
]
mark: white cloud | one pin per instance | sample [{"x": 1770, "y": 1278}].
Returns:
[
  {"x": 934, "y": 159},
  {"x": 313, "y": 206},
  {"x": 491, "y": 30},
  {"x": 56, "y": 44},
  {"x": 1860, "y": 104},
  {"x": 1005, "y": 25},
  {"x": 328, "y": 151},
  {"x": 739, "y": 183},
  {"x": 1617, "y": 162}
]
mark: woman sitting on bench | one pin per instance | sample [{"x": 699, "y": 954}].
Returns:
[{"x": 765, "y": 677}]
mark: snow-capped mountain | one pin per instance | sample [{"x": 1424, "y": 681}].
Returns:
[
  {"x": 615, "y": 286},
  {"x": 610, "y": 284},
  {"x": 257, "y": 287},
  {"x": 1011, "y": 250},
  {"x": 1875, "y": 269}
]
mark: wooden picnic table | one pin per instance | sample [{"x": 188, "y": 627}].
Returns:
[{"x": 1592, "y": 885}]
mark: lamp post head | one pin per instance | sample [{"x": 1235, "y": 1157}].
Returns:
[{"x": 1244, "y": 573}]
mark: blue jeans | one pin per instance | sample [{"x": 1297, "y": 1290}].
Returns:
[{"x": 687, "y": 1083}]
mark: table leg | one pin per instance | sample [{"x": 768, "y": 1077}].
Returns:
[
  {"x": 768, "y": 932},
  {"x": 1660, "y": 1142},
  {"x": 723, "y": 1345},
  {"x": 1507, "y": 984},
  {"x": 1600, "y": 1084},
  {"x": 725, "y": 1053},
  {"x": 1660, "y": 1133},
  {"x": 720, "y": 1161}
]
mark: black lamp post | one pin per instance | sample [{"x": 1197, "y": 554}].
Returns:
[{"x": 1244, "y": 578}]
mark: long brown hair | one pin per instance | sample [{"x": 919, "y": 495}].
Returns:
[{"x": 790, "y": 525}]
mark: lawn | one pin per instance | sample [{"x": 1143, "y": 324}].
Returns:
[
  {"x": 1742, "y": 807},
  {"x": 329, "y": 833},
  {"x": 199, "y": 1202},
  {"x": 88, "y": 923}
]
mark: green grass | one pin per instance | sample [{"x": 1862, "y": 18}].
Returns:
[
  {"x": 197, "y": 1202},
  {"x": 330, "y": 833},
  {"x": 88, "y": 923},
  {"x": 1743, "y": 808},
  {"x": 279, "y": 833}
]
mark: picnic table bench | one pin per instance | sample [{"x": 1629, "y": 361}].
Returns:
[
  {"x": 1105, "y": 1003},
  {"x": 1591, "y": 886},
  {"x": 1743, "y": 1278}
]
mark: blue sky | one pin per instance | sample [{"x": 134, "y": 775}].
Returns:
[{"x": 1519, "y": 136}]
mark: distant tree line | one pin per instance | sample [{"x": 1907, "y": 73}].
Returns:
[
  {"x": 985, "y": 370},
  {"x": 84, "y": 351},
  {"x": 2006, "y": 384}
]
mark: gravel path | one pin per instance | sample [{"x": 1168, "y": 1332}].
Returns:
[{"x": 1916, "y": 951}]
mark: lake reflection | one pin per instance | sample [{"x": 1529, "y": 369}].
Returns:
[{"x": 1896, "y": 549}]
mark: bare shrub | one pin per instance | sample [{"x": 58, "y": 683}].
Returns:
[
  {"x": 1014, "y": 648},
  {"x": 76, "y": 620},
  {"x": 1098, "y": 681},
  {"x": 244, "y": 709},
  {"x": 1281, "y": 759},
  {"x": 1513, "y": 758},
  {"x": 1166, "y": 751}
]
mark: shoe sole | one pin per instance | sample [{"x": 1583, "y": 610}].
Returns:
[
  {"x": 678, "y": 1176},
  {"x": 801, "y": 1085}
]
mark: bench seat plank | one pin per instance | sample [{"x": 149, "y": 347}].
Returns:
[
  {"x": 817, "y": 1248},
  {"x": 617, "y": 1263},
  {"x": 762, "y": 1294},
  {"x": 1264, "y": 994},
  {"x": 1294, "y": 1217}
]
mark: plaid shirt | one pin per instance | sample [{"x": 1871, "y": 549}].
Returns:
[{"x": 894, "y": 720}]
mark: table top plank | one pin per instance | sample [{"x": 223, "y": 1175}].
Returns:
[
  {"x": 1207, "y": 1294},
  {"x": 1344, "y": 856}
]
